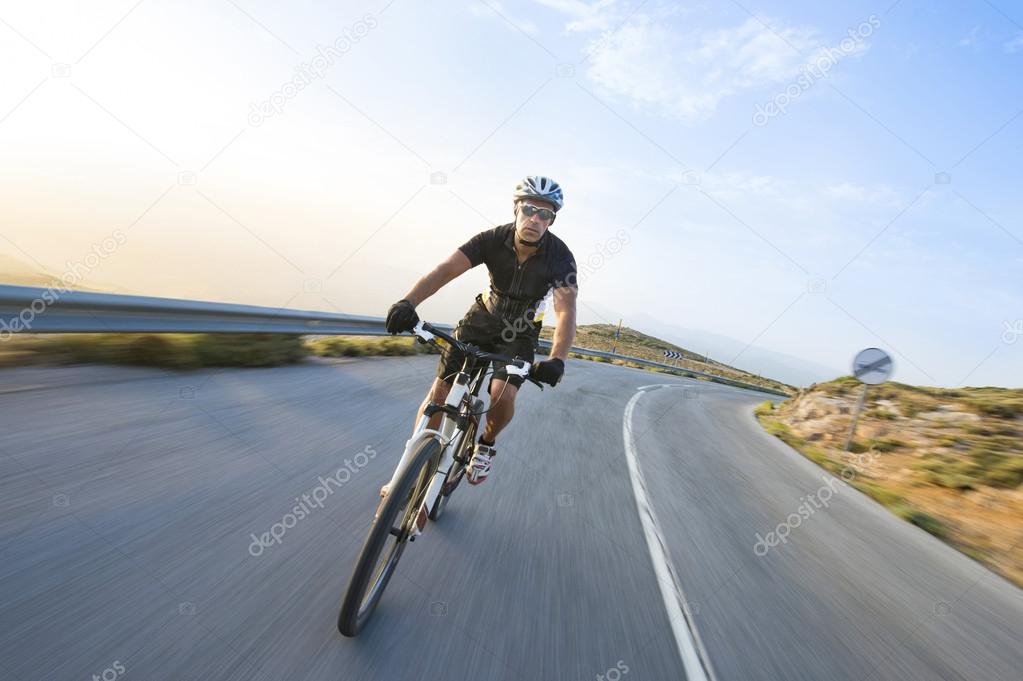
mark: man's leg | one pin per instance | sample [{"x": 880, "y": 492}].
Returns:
[{"x": 502, "y": 409}]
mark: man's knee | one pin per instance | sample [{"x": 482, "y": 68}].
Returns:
[{"x": 502, "y": 394}]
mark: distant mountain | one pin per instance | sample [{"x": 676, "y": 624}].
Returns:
[
  {"x": 14, "y": 271},
  {"x": 19, "y": 273},
  {"x": 777, "y": 365}
]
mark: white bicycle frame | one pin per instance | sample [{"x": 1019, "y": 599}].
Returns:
[{"x": 448, "y": 430}]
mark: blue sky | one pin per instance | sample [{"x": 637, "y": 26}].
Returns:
[{"x": 880, "y": 209}]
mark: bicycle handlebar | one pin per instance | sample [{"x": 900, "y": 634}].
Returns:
[{"x": 515, "y": 366}]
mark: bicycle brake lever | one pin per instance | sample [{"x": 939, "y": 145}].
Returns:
[{"x": 421, "y": 334}]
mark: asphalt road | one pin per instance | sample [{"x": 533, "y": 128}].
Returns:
[{"x": 129, "y": 500}]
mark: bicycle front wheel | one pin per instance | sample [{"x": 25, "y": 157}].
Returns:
[{"x": 387, "y": 539}]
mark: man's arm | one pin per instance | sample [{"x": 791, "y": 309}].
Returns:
[
  {"x": 455, "y": 265},
  {"x": 564, "y": 333}
]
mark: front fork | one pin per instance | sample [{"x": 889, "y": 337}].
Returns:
[{"x": 447, "y": 435}]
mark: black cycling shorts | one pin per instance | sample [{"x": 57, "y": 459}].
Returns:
[{"x": 492, "y": 334}]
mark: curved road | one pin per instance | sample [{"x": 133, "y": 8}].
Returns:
[{"x": 129, "y": 500}]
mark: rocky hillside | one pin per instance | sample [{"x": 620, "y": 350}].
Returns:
[
  {"x": 950, "y": 461},
  {"x": 634, "y": 343}
]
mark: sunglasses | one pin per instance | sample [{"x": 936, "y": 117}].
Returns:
[{"x": 529, "y": 211}]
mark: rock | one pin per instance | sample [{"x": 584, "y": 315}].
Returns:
[{"x": 948, "y": 415}]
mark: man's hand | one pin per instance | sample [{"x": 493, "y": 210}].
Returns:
[
  {"x": 401, "y": 317},
  {"x": 549, "y": 371}
]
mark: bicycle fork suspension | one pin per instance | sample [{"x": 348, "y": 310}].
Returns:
[
  {"x": 410, "y": 445},
  {"x": 447, "y": 460}
]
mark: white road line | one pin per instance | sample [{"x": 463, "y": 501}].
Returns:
[{"x": 694, "y": 657}]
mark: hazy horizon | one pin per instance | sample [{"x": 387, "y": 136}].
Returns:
[{"x": 879, "y": 209}]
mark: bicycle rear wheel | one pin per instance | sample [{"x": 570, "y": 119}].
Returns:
[{"x": 387, "y": 539}]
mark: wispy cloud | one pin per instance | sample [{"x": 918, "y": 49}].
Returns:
[
  {"x": 685, "y": 73},
  {"x": 876, "y": 194},
  {"x": 746, "y": 186},
  {"x": 1014, "y": 45},
  {"x": 496, "y": 10},
  {"x": 585, "y": 16},
  {"x": 970, "y": 38}
]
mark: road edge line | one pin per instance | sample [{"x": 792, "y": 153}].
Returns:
[{"x": 694, "y": 657}]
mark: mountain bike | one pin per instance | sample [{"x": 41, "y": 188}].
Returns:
[{"x": 428, "y": 472}]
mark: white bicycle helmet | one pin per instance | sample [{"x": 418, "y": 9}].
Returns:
[{"x": 540, "y": 188}]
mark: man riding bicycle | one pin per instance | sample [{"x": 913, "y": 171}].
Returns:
[{"x": 526, "y": 262}]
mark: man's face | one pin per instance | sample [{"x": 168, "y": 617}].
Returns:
[{"x": 531, "y": 228}]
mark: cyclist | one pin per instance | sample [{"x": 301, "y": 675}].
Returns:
[{"x": 526, "y": 262}]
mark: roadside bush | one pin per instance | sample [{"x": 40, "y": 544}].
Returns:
[
  {"x": 840, "y": 386},
  {"x": 924, "y": 521},
  {"x": 883, "y": 445},
  {"x": 249, "y": 349},
  {"x": 364, "y": 346},
  {"x": 783, "y": 433},
  {"x": 1004, "y": 408},
  {"x": 173, "y": 350},
  {"x": 997, "y": 468},
  {"x": 982, "y": 466},
  {"x": 881, "y": 495},
  {"x": 335, "y": 347},
  {"x": 949, "y": 472}
]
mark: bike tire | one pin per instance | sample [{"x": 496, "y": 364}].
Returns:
[
  {"x": 370, "y": 576},
  {"x": 454, "y": 476}
]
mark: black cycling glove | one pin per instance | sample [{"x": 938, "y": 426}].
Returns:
[
  {"x": 401, "y": 317},
  {"x": 549, "y": 371}
]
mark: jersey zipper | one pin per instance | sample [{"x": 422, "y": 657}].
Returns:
[{"x": 516, "y": 280}]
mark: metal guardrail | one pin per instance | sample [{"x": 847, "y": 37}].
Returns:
[
  {"x": 27, "y": 309},
  {"x": 681, "y": 370},
  {"x": 84, "y": 312}
]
